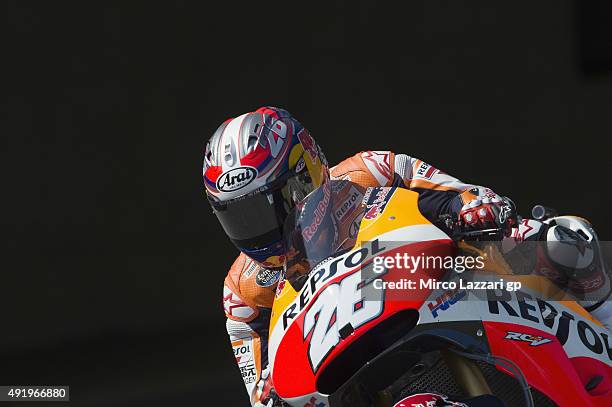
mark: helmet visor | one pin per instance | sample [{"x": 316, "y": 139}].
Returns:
[{"x": 254, "y": 222}]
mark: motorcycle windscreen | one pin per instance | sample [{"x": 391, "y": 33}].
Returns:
[{"x": 325, "y": 224}]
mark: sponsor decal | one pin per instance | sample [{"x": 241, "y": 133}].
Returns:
[
  {"x": 313, "y": 403},
  {"x": 367, "y": 197},
  {"x": 426, "y": 171},
  {"x": 267, "y": 277},
  {"x": 300, "y": 165},
  {"x": 348, "y": 204},
  {"x": 248, "y": 372},
  {"x": 323, "y": 272},
  {"x": 309, "y": 231},
  {"x": 567, "y": 327},
  {"x": 339, "y": 185},
  {"x": 243, "y": 352},
  {"x": 236, "y": 178},
  {"x": 587, "y": 285},
  {"x": 532, "y": 340},
  {"x": 504, "y": 213},
  {"x": 552, "y": 275},
  {"x": 445, "y": 301},
  {"x": 375, "y": 203},
  {"x": 487, "y": 193},
  {"x": 308, "y": 143},
  {"x": 428, "y": 400},
  {"x": 251, "y": 266}
]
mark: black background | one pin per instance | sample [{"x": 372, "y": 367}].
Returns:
[{"x": 113, "y": 264}]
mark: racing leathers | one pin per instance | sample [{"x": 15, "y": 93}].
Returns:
[{"x": 249, "y": 289}]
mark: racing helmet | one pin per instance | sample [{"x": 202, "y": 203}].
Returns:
[
  {"x": 572, "y": 247},
  {"x": 257, "y": 167}
]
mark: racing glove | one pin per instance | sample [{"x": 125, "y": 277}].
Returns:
[
  {"x": 484, "y": 209},
  {"x": 265, "y": 388}
]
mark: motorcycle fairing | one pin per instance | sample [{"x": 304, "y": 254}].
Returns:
[
  {"x": 585, "y": 351},
  {"x": 400, "y": 228},
  {"x": 574, "y": 346}
]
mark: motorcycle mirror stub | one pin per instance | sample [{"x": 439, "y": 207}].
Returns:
[{"x": 541, "y": 212}]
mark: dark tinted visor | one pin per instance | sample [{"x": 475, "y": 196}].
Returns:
[{"x": 255, "y": 221}]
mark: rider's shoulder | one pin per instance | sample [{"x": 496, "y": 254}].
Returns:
[
  {"x": 367, "y": 168},
  {"x": 247, "y": 287},
  {"x": 241, "y": 268}
]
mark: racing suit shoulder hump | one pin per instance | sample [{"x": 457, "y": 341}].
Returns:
[
  {"x": 247, "y": 287},
  {"x": 367, "y": 168}
]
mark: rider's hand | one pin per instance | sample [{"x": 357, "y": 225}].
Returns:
[
  {"x": 486, "y": 210},
  {"x": 268, "y": 397},
  {"x": 273, "y": 401}
]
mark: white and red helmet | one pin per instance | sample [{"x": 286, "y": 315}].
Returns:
[{"x": 257, "y": 166}]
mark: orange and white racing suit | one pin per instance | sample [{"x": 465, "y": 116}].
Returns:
[{"x": 249, "y": 289}]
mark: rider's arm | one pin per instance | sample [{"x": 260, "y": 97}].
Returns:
[
  {"x": 439, "y": 193},
  {"x": 249, "y": 342},
  {"x": 247, "y": 307}
]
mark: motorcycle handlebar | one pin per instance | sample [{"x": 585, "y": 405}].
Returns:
[
  {"x": 459, "y": 232},
  {"x": 484, "y": 234}
]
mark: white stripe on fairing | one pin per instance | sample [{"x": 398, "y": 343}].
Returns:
[
  {"x": 408, "y": 234},
  {"x": 231, "y": 131}
]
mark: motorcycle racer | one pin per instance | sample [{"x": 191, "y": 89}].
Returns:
[{"x": 257, "y": 167}]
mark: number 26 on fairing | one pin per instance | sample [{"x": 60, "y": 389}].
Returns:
[{"x": 337, "y": 306}]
